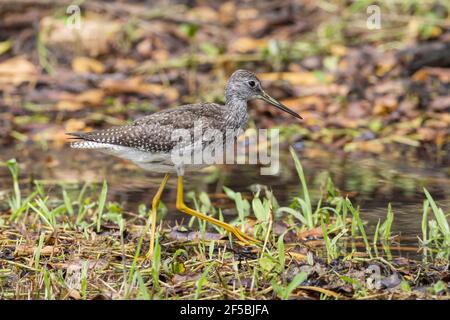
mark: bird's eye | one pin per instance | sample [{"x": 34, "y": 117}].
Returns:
[{"x": 252, "y": 83}]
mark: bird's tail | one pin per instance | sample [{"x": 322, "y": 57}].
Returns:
[{"x": 79, "y": 140}]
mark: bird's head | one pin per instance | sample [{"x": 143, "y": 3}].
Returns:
[{"x": 244, "y": 85}]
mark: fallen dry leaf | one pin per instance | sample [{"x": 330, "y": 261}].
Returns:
[
  {"x": 443, "y": 74},
  {"x": 66, "y": 105},
  {"x": 371, "y": 146},
  {"x": 17, "y": 70},
  {"x": 386, "y": 65},
  {"x": 245, "y": 45},
  {"x": 435, "y": 123},
  {"x": 87, "y": 65},
  {"x": 445, "y": 117},
  {"x": 137, "y": 85},
  {"x": 315, "y": 233},
  {"x": 296, "y": 78},
  {"x": 203, "y": 14},
  {"x": 385, "y": 104},
  {"x": 426, "y": 134},
  {"x": 440, "y": 103},
  {"x": 297, "y": 256},
  {"x": 53, "y": 133},
  {"x": 74, "y": 102},
  {"x": 74, "y": 294},
  {"x": 29, "y": 250},
  {"x": 92, "y": 97},
  {"x": 338, "y": 50},
  {"x": 183, "y": 278},
  {"x": 227, "y": 12},
  {"x": 124, "y": 64},
  {"x": 73, "y": 125},
  {"x": 316, "y": 103}
]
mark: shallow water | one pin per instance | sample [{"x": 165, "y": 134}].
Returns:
[{"x": 371, "y": 182}]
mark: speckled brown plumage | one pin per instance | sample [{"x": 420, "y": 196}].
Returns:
[
  {"x": 149, "y": 141},
  {"x": 153, "y": 133}
]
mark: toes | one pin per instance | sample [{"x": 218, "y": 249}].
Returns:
[{"x": 243, "y": 237}]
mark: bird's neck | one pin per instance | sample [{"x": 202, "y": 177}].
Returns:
[{"x": 236, "y": 111}]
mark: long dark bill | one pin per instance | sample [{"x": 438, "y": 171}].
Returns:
[{"x": 264, "y": 96}]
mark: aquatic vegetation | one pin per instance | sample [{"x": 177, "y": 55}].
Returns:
[
  {"x": 386, "y": 226},
  {"x": 285, "y": 292},
  {"x": 318, "y": 253},
  {"x": 435, "y": 231}
]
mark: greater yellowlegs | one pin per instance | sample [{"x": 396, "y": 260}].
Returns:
[{"x": 149, "y": 143}]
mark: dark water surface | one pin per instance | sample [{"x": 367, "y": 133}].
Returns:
[{"x": 371, "y": 182}]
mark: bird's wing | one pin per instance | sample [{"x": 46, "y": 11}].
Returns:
[{"x": 156, "y": 132}]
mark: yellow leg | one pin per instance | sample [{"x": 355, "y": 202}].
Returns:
[
  {"x": 183, "y": 208},
  {"x": 155, "y": 204}
]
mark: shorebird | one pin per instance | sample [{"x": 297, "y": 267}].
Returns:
[{"x": 149, "y": 143}]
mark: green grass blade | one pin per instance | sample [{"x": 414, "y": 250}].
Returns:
[
  {"x": 301, "y": 175},
  {"x": 101, "y": 204},
  {"x": 37, "y": 254},
  {"x": 440, "y": 217},
  {"x": 67, "y": 202}
]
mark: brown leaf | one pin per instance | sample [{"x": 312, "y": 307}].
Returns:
[
  {"x": 72, "y": 102},
  {"x": 316, "y": 103},
  {"x": 385, "y": 104},
  {"x": 435, "y": 123},
  {"x": 92, "y": 97},
  {"x": 297, "y": 256},
  {"x": 155, "y": 89},
  {"x": 160, "y": 55},
  {"x": 183, "y": 278},
  {"x": 73, "y": 125},
  {"x": 315, "y": 233},
  {"x": 227, "y": 12},
  {"x": 440, "y": 103},
  {"x": 295, "y": 78},
  {"x": 87, "y": 65},
  {"x": 136, "y": 85},
  {"x": 67, "y": 105},
  {"x": 124, "y": 64},
  {"x": 445, "y": 117},
  {"x": 245, "y": 45},
  {"x": 426, "y": 134},
  {"x": 17, "y": 70},
  {"x": 29, "y": 250},
  {"x": 338, "y": 50},
  {"x": 279, "y": 227},
  {"x": 386, "y": 65},
  {"x": 443, "y": 74},
  {"x": 371, "y": 146},
  {"x": 129, "y": 85},
  {"x": 358, "y": 109},
  {"x": 53, "y": 133},
  {"x": 74, "y": 294},
  {"x": 420, "y": 75},
  {"x": 343, "y": 122},
  {"x": 203, "y": 14}
]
